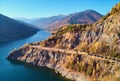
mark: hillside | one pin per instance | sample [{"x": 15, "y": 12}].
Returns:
[
  {"x": 101, "y": 37},
  {"x": 13, "y": 30},
  {"x": 80, "y": 52},
  {"x": 85, "y": 17},
  {"x": 22, "y": 21}
]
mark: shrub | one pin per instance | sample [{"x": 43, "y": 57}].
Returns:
[
  {"x": 115, "y": 54},
  {"x": 90, "y": 70}
]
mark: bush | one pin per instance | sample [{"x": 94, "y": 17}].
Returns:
[
  {"x": 90, "y": 70},
  {"x": 115, "y": 54}
]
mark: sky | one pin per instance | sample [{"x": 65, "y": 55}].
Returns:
[{"x": 46, "y": 8}]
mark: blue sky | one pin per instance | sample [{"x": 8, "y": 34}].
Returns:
[{"x": 46, "y": 8}]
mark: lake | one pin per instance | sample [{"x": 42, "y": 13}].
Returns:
[{"x": 18, "y": 72}]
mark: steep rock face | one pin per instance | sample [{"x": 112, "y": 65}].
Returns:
[
  {"x": 101, "y": 37},
  {"x": 68, "y": 64},
  {"x": 12, "y": 30}
]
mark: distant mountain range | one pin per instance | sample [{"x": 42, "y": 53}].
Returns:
[
  {"x": 11, "y": 29},
  {"x": 55, "y": 22},
  {"x": 27, "y": 20},
  {"x": 42, "y": 22},
  {"x": 85, "y": 17}
]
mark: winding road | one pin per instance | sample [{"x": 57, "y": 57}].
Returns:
[{"x": 74, "y": 52}]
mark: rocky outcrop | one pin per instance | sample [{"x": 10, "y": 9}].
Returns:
[
  {"x": 68, "y": 63},
  {"x": 46, "y": 58}
]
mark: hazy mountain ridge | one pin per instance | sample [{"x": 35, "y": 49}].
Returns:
[
  {"x": 55, "y": 22},
  {"x": 28, "y": 23},
  {"x": 45, "y": 22},
  {"x": 42, "y": 22},
  {"x": 27, "y": 20},
  {"x": 11, "y": 29}
]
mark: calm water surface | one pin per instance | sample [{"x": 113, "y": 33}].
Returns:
[{"x": 17, "y": 72}]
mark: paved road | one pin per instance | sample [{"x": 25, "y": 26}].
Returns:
[{"x": 74, "y": 52}]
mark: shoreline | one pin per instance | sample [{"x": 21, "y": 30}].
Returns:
[
  {"x": 31, "y": 66},
  {"x": 78, "y": 67}
]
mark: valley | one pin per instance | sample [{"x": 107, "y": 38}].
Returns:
[{"x": 60, "y": 40}]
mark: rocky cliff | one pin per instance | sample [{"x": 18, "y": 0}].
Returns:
[
  {"x": 78, "y": 66},
  {"x": 89, "y": 52},
  {"x": 101, "y": 37}
]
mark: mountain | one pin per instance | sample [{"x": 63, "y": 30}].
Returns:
[
  {"x": 45, "y": 22},
  {"x": 85, "y": 17},
  {"x": 101, "y": 37},
  {"x": 27, "y": 20},
  {"x": 55, "y": 22},
  {"x": 28, "y": 23},
  {"x": 12, "y": 30},
  {"x": 80, "y": 52},
  {"x": 42, "y": 23}
]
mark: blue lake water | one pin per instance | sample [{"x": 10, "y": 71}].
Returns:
[{"x": 17, "y": 72}]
